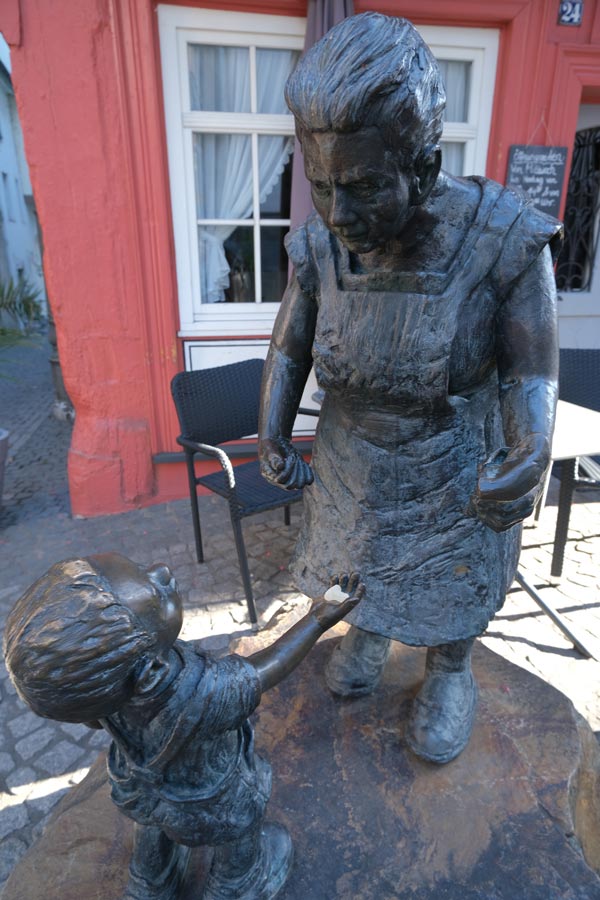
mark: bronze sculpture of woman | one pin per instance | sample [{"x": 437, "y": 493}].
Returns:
[{"x": 427, "y": 304}]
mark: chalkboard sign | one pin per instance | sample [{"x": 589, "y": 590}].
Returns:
[{"x": 539, "y": 173}]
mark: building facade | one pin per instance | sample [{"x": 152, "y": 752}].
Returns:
[
  {"x": 161, "y": 152},
  {"x": 20, "y": 251}
]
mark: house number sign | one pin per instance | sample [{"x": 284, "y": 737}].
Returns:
[{"x": 570, "y": 12}]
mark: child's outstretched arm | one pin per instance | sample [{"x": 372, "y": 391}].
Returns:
[{"x": 274, "y": 663}]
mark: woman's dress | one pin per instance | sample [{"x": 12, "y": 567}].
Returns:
[{"x": 397, "y": 454}]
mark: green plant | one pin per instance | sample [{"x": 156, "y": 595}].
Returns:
[{"x": 20, "y": 300}]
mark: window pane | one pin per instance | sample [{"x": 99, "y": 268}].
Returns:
[
  {"x": 223, "y": 175},
  {"x": 219, "y": 78},
  {"x": 272, "y": 70},
  {"x": 226, "y": 264},
  {"x": 274, "y": 263},
  {"x": 275, "y": 174},
  {"x": 453, "y": 157},
  {"x": 457, "y": 78}
]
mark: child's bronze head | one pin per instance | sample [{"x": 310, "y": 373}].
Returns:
[{"x": 77, "y": 642}]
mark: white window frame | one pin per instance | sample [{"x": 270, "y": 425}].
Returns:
[
  {"x": 479, "y": 46},
  {"x": 180, "y": 25}
]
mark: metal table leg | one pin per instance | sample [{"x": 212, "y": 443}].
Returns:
[
  {"x": 556, "y": 617},
  {"x": 565, "y": 498}
]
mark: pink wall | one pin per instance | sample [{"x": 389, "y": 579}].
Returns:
[{"x": 88, "y": 87}]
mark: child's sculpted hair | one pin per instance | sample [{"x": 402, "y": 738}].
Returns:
[
  {"x": 72, "y": 648},
  {"x": 371, "y": 69}
]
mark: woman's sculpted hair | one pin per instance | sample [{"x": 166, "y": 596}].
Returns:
[
  {"x": 376, "y": 70},
  {"x": 71, "y": 647}
]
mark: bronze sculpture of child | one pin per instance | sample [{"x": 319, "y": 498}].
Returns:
[{"x": 95, "y": 640}]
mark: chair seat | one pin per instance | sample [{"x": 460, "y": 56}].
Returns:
[
  {"x": 253, "y": 492},
  {"x": 216, "y": 406}
]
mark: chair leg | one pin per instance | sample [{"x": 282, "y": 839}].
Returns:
[
  {"x": 189, "y": 458},
  {"x": 243, "y": 562},
  {"x": 286, "y": 515},
  {"x": 565, "y": 498}
]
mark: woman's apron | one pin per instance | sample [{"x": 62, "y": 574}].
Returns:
[{"x": 396, "y": 458}]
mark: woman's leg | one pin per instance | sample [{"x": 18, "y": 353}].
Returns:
[
  {"x": 442, "y": 713},
  {"x": 157, "y": 866},
  {"x": 357, "y": 663}
]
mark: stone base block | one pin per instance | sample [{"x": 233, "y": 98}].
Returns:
[{"x": 515, "y": 817}]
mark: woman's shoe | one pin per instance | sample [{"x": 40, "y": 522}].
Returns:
[
  {"x": 442, "y": 714},
  {"x": 356, "y": 665}
]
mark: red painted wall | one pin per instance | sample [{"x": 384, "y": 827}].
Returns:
[
  {"x": 86, "y": 78},
  {"x": 88, "y": 87}
]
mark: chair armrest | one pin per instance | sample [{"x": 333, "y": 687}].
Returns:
[
  {"x": 591, "y": 471},
  {"x": 214, "y": 452},
  {"x": 306, "y": 411}
]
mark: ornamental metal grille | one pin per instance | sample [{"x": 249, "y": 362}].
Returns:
[{"x": 576, "y": 261}]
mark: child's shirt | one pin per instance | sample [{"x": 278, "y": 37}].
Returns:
[{"x": 190, "y": 767}]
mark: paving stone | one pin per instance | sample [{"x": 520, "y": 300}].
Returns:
[
  {"x": 240, "y": 614},
  {"x": 60, "y": 758},
  {"x": 8, "y": 687},
  {"x": 11, "y": 851},
  {"x": 43, "y": 805},
  {"x": 215, "y": 642},
  {"x": 13, "y": 818},
  {"x": 99, "y": 740},
  {"x": 18, "y": 782},
  {"x": 34, "y": 742},
  {"x": 73, "y": 730},
  {"x": 24, "y": 724},
  {"x": 7, "y": 763},
  {"x": 221, "y": 621}
]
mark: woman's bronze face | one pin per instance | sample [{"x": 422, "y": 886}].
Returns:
[{"x": 358, "y": 188}]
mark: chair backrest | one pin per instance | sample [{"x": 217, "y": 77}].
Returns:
[
  {"x": 220, "y": 404},
  {"x": 579, "y": 377}
]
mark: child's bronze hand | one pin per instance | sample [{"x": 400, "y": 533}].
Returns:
[{"x": 345, "y": 593}]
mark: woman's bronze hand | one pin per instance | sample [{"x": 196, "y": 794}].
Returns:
[
  {"x": 510, "y": 483},
  {"x": 282, "y": 464}
]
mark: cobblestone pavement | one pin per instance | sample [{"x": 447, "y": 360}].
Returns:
[
  {"x": 39, "y": 759},
  {"x": 35, "y": 482}
]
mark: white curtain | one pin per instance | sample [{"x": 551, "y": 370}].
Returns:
[
  {"x": 457, "y": 79},
  {"x": 456, "y": 75},
  {"x": 453, "y": 155},
  {"x": 219, "y": 78}
]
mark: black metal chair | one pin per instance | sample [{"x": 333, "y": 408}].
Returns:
[
  {"x": 579, "y": 382},
  {"x": 215, "y": 406}
]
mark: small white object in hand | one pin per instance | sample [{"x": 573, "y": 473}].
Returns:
[{"x": 335, "y": 594}]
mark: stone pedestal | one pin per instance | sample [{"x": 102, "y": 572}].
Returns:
[{"x": 515, "y": 817}]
